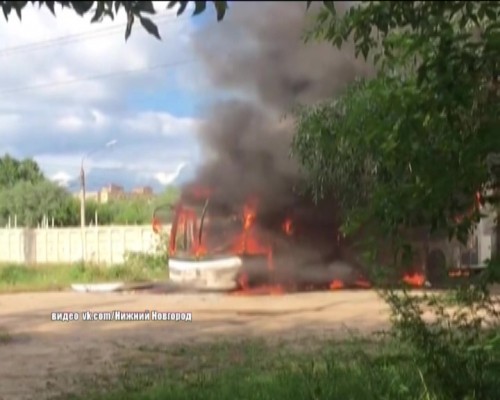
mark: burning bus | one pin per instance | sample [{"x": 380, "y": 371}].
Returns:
[
  {"x": 218, "y": 247},
  {"x": 214, "y": 246},
  {"x": 208, "y": 245}
]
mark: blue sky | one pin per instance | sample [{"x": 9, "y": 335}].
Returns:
[{"x": 153, "y": 115}]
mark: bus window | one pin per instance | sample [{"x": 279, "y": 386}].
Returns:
[{"x": 185, "y": 235}]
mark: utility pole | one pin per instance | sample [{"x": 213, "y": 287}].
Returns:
[
  {"x": 83, "y": 195},
  {"x": 82, "y": 212}
]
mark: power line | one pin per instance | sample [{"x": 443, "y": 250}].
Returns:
[
  {"x": 95, "y": 77},
  {"x": 63, "y": 40}
]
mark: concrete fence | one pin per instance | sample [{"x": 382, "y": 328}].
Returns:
[{"x": 101, "y": 244}]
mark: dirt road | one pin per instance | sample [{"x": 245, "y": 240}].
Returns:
[{"x": 40, "y": 356}]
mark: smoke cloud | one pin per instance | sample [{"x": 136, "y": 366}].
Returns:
[{"x": 258, "y": 52}]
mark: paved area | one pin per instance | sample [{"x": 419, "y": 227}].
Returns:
[{"x": 38, "y": 355}]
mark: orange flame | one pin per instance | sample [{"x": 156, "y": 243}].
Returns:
[
  {"x": 414, "y": 279},
  {"x": 288, "y": 227},
  {"x": 248, "y": 242},
  {"x": 248, "y": 217},
  {"x": 457, "y": 273},
  {"x": 336, "y": 284}
]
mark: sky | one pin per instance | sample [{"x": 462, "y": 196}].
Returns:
[{"x": 65, "y": 93}]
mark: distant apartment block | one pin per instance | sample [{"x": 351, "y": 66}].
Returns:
[
  {"x": 93, "y": 196},
  {"x": 143, "y": 191},
  {"x": 111, "y": 192},
  {"x": 116, "y": 192}
]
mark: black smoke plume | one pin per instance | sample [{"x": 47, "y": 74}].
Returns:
[{"x": 258, "y": 53}]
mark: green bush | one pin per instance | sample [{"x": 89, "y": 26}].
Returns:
[{"x": 457, "y": 348}]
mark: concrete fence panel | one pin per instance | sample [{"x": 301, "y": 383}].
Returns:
[{"x": 101, "y": 244}]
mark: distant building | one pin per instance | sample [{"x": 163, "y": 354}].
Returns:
[
  {"x": 111, "y": 192},
  {"x": 116, "y": 192},
  {"x": 92, "y": 196},
  {"x": 143, "y": 191}
]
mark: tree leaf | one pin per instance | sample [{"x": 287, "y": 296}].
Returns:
[
  {"x": 330, "y": 6},
  {"x": 82, "y": 7},
  {"x": 490, "y": 13},
  {"x": 108, "y": 9},
  {"x": 50, "y": 6},
  {"x": 146, "y": 6},
  {"x": 220, "y": 8},
  {"x": 150, "y": 27},
  {"x": 182, "y": 7},
  {"x": 171, "y": 4},
  {"x": 6, "y": 8},
  {"x": 130, "y": 22},
  {"x": 98, "y": 12},
  {"x": 19, "y": 5},
  {"x": 199, "y": 7},
  {"x": 338, "y": 42}
]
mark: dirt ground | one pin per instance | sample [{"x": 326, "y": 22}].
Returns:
[{"x": 40, "y": 356}]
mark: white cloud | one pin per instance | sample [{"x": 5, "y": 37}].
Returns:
[
  {"x": 169, "y": 178},
  {"x": 80, "y": 119},
  {"x": 113, "y": 166},
  {"x": 70, "y": 123},
  {"x": 10, "y": 122},
  {"x": 57, "y": 123},
  {"x": 62, "y": 178},
  {"x": 160, "y": 123}
]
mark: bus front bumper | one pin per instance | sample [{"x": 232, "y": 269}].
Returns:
[{"x": 210, "y": 274}]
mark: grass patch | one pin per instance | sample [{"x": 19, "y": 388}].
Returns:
[
  {"x": 252, "y": 370},
  {"x": 25, "y": 278},
  {"x": 5, "y": 337}
]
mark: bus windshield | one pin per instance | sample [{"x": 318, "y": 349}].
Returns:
[{"x": 199, "y": 231}]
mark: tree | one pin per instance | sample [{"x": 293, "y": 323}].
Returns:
[
  {"x": 13, "y": 171},
  {"x": 31, "y": 202},
  {"x": 435, "y": 103},
  {"x": 411, "y": 148},
  {"x": 135, "y": 210},
  {"x": 25, "y": 194}
]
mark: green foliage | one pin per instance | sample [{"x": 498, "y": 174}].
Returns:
[
  {"x": 27, "y": 195},
  {"x": 126, "y": 212},
  {"x": 31, "y": 202},
  {"x": 135, "y": 10},
  {"x": 435, "y": 102},
  {"x": 137, "y": 267},
  {"x": 408, "y": 150},
  {"x": 348, "y": 369},
  {"x": 457, "y": 349},
  {"x": 13, "y": 171},
  {"x": 387, "y": 137},
  {"x": 154, "y": 262},
  {"x": 131, "y": 211}
]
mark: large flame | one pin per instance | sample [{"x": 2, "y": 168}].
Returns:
[{"x": 249, "y": 240}]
